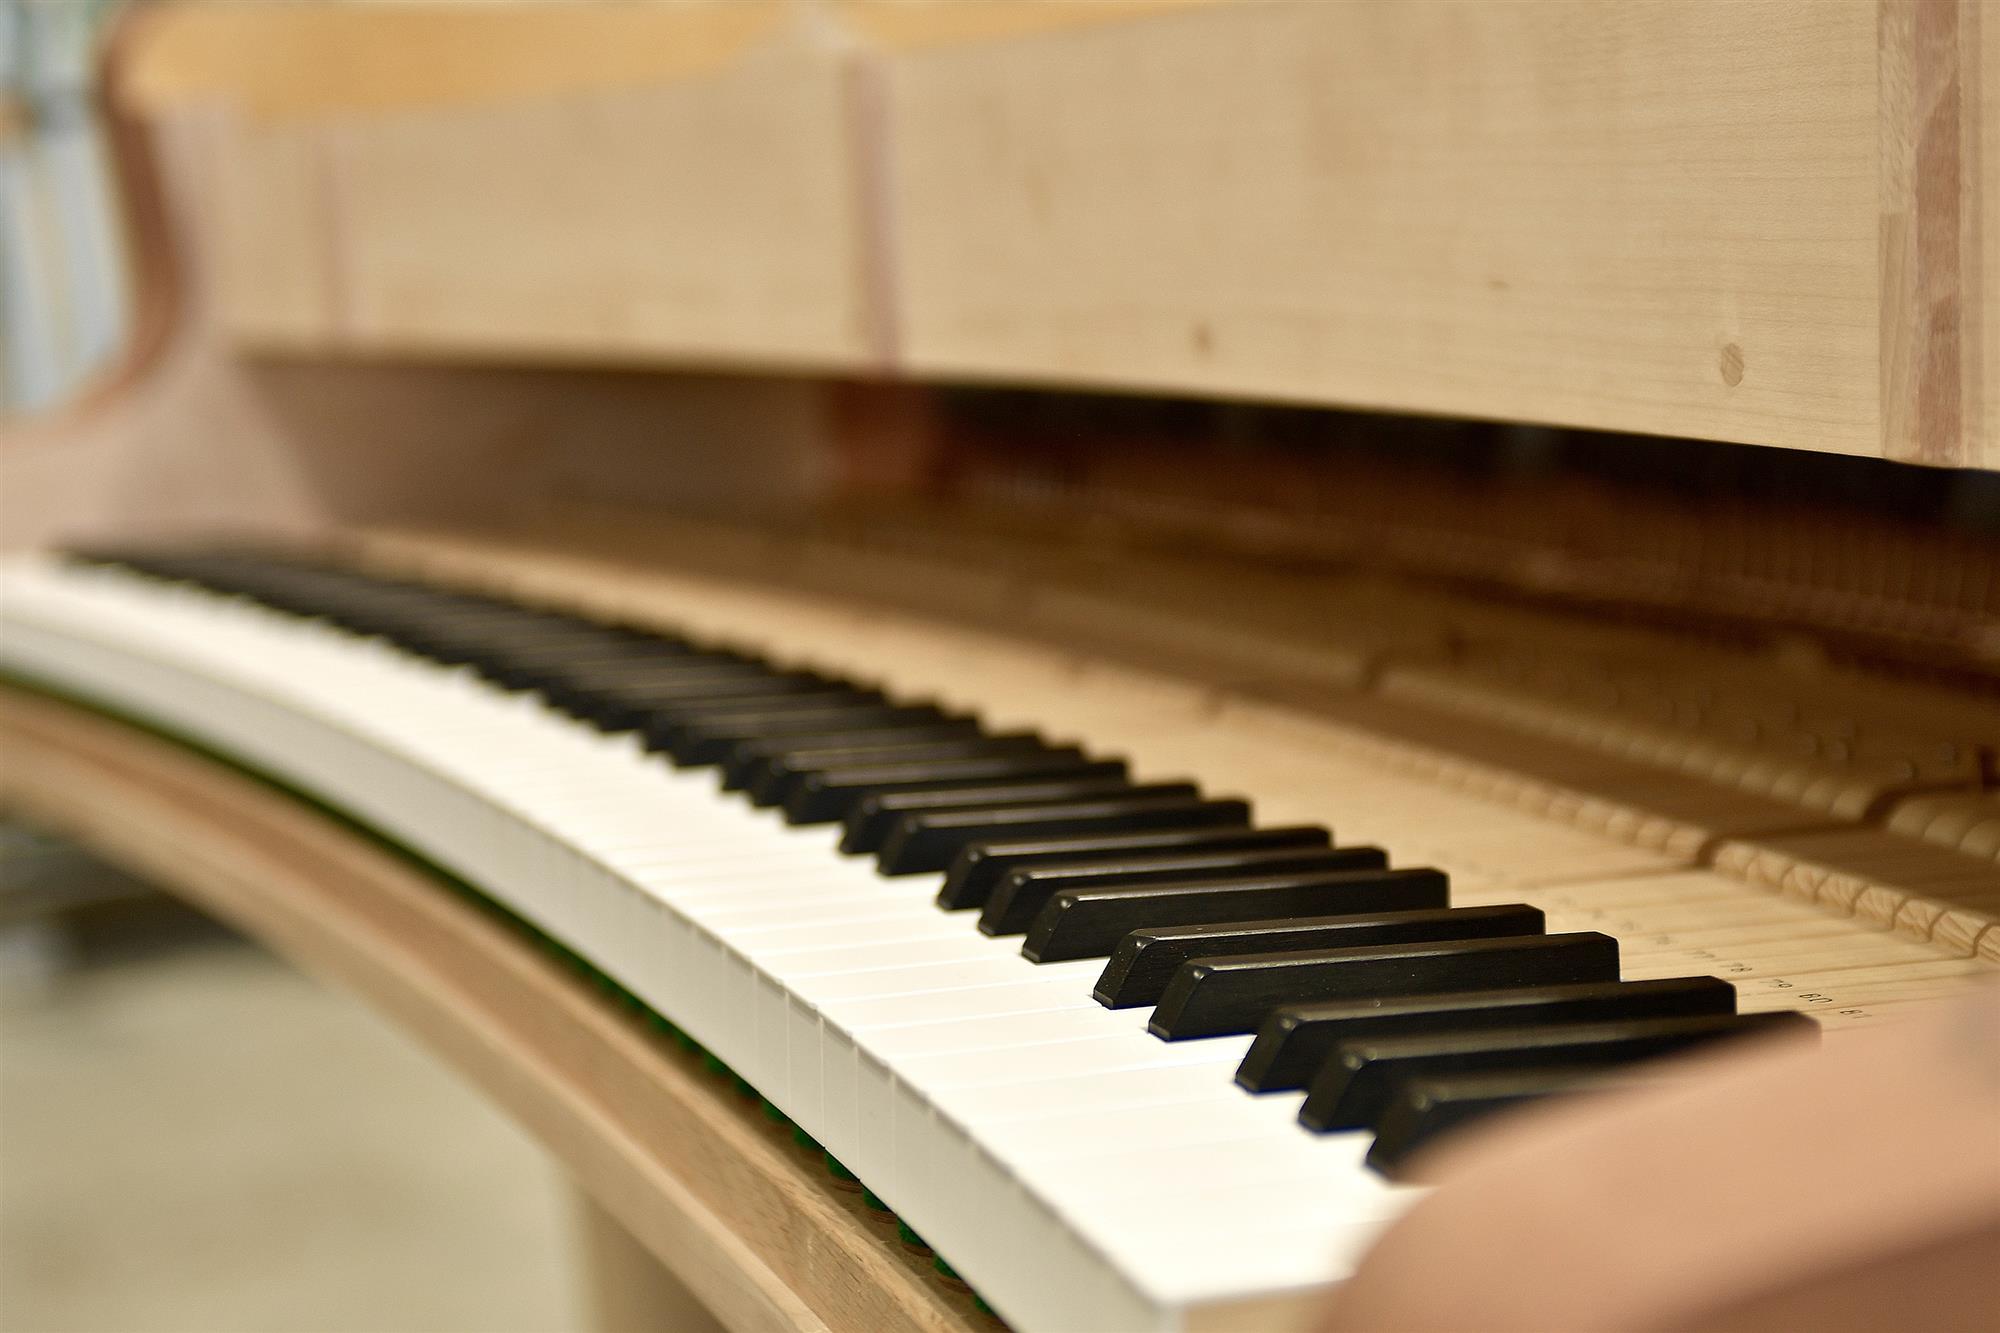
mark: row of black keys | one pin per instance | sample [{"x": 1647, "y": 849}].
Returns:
[{"x": 1395, "y": 1011}]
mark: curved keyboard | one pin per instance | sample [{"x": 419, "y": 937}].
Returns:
[{"x": 1023, "y": 993}]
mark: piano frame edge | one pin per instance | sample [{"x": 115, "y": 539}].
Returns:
[{"x": 734, "y": 1212}]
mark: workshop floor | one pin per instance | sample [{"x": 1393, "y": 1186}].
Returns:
[{"x": 194, "y": 1137}]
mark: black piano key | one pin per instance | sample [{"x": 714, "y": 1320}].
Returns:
[
  {"x": 831, "y": 795},
  {"x": 476, "y": 644},
  {"x": 547, "y": 643},
  {"x": 1021, "y": 894},
  {"x": 930, "y": 841},
  {"x": 1295, "y": 1040},
  {"x": 1217, "y": 997},
  {"x": 495, "y": 651},
  {"x": 666, "y": 666},
  {"x": 1355, "y": 1083},
  {"x": 876, "y": 817},
  {"x": 642, "y": 709},
  {"x": 548, "y": 670},
  {"x": 767, "y": 770},
  {"x": 627, "y": 709},
  {"x": 1146, "y": 960},
  {"x": 679, "y": 677},
  {"x": 1088, "y": 923},
  {"x": 1422, "y": 1110},
  {"x": 978, "y": 869},
  {"x": 499, "y": 625},
  {"x": 710, "y": 739},
  {"x": 672, "y": 717},
  {"x": 944, "y": 723},
  {"x": 642, "y": 683}
]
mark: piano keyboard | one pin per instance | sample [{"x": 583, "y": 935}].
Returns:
[{"x": 1118, "y": 1043}]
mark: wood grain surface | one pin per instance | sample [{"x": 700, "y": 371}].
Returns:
[
  {"x": 1655, "y": 217},
  {"x": 1748, "y": 220}
]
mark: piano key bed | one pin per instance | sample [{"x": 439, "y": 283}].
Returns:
[{"x": 1122, "y": 1044}]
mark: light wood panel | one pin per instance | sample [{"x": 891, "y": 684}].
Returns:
[
  {"x": 310, "y": 58},
  {"x": 307, "y": 58},
  {"x": 1754, "y": 220},
  {"x": 1659, "y": 217},
  {"x": 276, "y": 270},
  {"x": 753, "y": 1226},
  {"x": 710, "y": 220}
]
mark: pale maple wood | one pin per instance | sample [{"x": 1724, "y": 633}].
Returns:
[
  {"x": 277, "y": 273},
  {"x": 670, "y": 183},
  {"x": 1591, "y": 215},
  {"x": 753, "y": 1226},
  {"x": 696, "y": 222},
  {"x": 1760, "y": 220},
  {"x": 311, "y": 57}
]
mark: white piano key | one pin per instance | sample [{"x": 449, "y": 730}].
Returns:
[
  {"x": 1031, "y": 994},
  {"x": 1088, "y": 1056}
]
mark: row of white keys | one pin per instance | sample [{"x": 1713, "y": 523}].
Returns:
[
  {"x": 1178, "y": 1129},
  {"x": 939, "y": 1020}
]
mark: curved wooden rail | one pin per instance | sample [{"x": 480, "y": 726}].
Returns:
[{"x": 749, "y": 1222}]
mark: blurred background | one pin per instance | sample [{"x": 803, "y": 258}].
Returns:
[
  {"x": 62, "y": 261},
  {"x": 195, "y": 1138}
]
